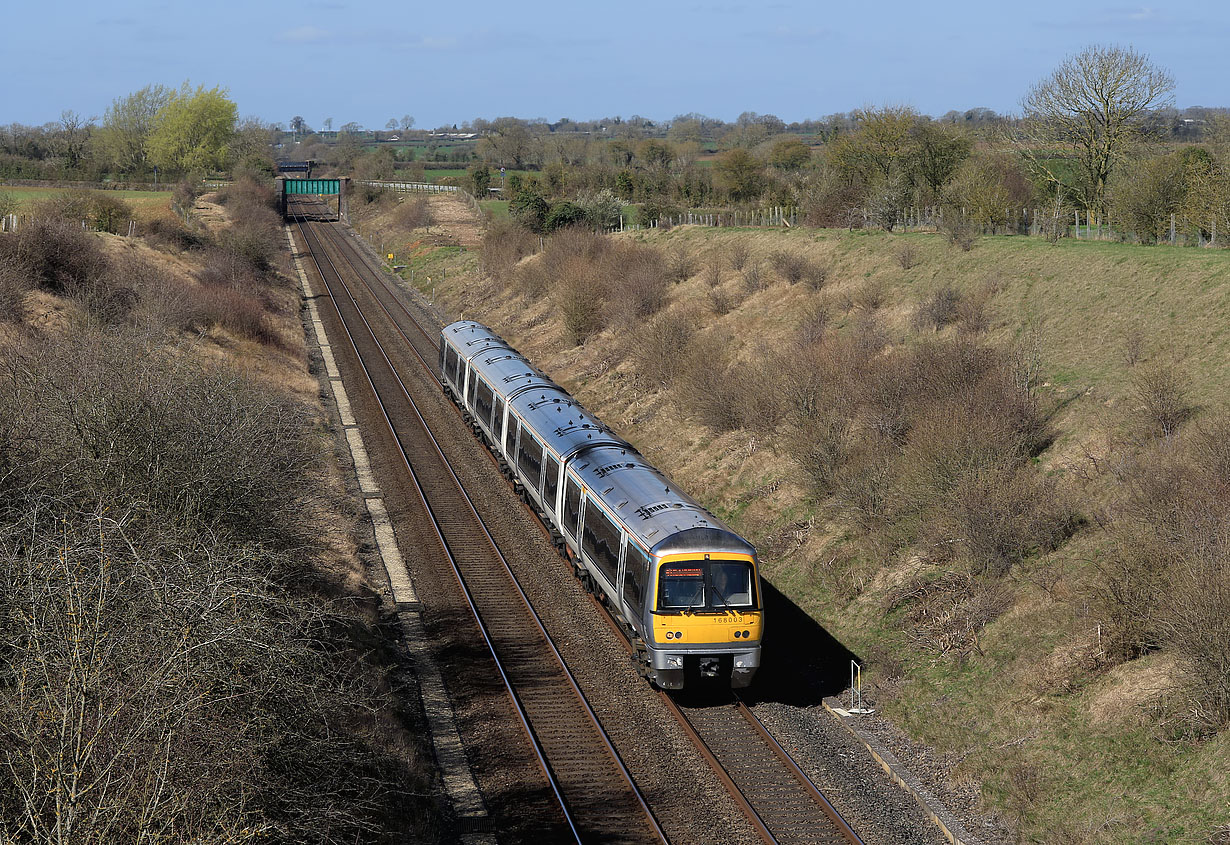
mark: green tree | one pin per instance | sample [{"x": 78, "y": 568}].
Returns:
[
  {"x": 789, "y": 154},
  {"x": 480, "y": 179},
  {"x": 529, "y": 209},
  {"x": 1091, "y": 108},
  {"x": 741, "y": 174},
  {"x": 937, "y": 151},
  {"x": 877, "y": 148},
  {"x": 1145, "y": 193},
  {"x": 193, "y": 130},
  {"x": 127, "y": 125}
]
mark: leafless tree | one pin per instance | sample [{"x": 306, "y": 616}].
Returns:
[{"x": 1093, "y": 105}]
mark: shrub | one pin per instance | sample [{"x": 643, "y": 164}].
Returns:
[
  {"x": 13, "y": 286},
  {"x": 505, "y": 242},
  {"x": 813, "y": 323},
  {"x": 739, "y": 252},
  {"x": 753, "y": 278},
  {"x": 790, "y": 265},
  {"x": 1161, "y": 390},
  {"x": 237, "y": 312},
  {"x": 907, "y": 256},
  {"x": 638, "y": 281},
  {"x": 564, "y": 214},
  {"x": 658, "y": 345},
  {"x": 602, "y": 208},
  {"x": 940, "y": 310},
  {"x": 680, "y": 265},
  {"x": 870, "y": 295},
  {"x": 414, "y": 213}
]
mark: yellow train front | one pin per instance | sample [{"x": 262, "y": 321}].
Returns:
[
  {"x": 684, "y": 586},
  {"x": 705, "y": 618}
]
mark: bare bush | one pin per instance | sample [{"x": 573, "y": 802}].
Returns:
[
  {"x": 639, "y": 280},
  {"x": 505, "y": 243},
  {"x": 907, "y": 256},
  {"x": 680, "y": 265},
  {"x": 972, "y": 317},
  {"x": 753, "y": 279},
  {"x": 815, "y": 275},
  {"x": 739, "y": 252},
  {"x": 959, "y": 230},
  {"x": 154, "y": 607},
  {"x": 1162, "y": 393},
  {"x": 795, "y": 268},
  {"x": 1164, "y": 584},
  {"x": 721, "y": 301},
  {"x": 938, "y": 311},
  {"x": 13, "y": 286},
  {"x": 414, "y": 213},
  {"x": 870, "y": 295},
  {"x": 813, "y": 323},
  {"x": 1133, "y": 346},
  {"x": 657, "y": 345},
  {"x": 705, "y": 385},
  {"x": 713, "y": 271}
]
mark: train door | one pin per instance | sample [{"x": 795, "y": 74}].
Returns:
[
  {"x": 550, "y": 484},
  {"x": 635, "y": 582},
  {"x": 497, "y": 423},
  {"x": 571, "y": 522}
]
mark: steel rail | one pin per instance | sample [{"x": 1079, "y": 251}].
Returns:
[
  {"x": 523, "y": 716},
  {"x": 723, "y": 775}
]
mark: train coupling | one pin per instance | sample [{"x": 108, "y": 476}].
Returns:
[{"x": 709, "y": 667}]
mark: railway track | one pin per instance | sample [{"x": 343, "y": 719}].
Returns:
[
  {"x": 781, "y": 803},
  {"x": 596, "y": 794}
]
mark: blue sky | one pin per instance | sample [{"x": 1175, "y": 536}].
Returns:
[{"x": 448, "y": 62}]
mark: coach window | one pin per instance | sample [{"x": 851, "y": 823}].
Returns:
[
  {"x": 529, "y": 458},
  {"x": 470, "y": 388},
  {"x": 482, "y": 402},
  {"x": 450, "y": 364},
  {"x": 550, "y": 484},
  {"x": 572, "y": 506},
  {"x": 601, "y": 540},
  {"x": 510, "y": 438},
  {"x": 497, "y": 421},
  {"x": 636, "y": 567}
]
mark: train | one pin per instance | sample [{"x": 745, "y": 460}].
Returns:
[{"x": 682, "y": 585}]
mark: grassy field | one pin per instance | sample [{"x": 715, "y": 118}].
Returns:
[
  {"x": 1066, "y": 753},
  {"x": 144, "y": 203}
]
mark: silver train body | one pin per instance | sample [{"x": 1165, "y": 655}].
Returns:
[{"x": 682, "y": 584}]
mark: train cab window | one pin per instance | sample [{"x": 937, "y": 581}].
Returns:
[
  {"x": 550, "y": 481},
  {"x": 572, "y": 506},
  {"x": 529, "y": 458},
  {"x": 600, "y": 540},
  {"x": 681, "y": 586},
  {"x": 732, "y": 583},
  {"x": 482, "y": 402},
  {"x": 636, "y": 568},
  {"x": 497, "y": 419},
  {"x": 510, "y": 437}
]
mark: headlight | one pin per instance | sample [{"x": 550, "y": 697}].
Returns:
[
  {"x": 674, "y": 661},
  {"x": 738, "y": 662}
]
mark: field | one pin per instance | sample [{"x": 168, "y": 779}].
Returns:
[
  {"x": 1064, "y": 751},
  {"x": 145, "y": 204}
]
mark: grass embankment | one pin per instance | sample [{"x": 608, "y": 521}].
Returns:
[{"x": 1007, "y": 672}]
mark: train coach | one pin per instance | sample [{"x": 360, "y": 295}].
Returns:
[{"x": 685, "y": 588}]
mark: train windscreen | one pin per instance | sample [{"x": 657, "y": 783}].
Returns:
[{"x": 706, "y": 585}]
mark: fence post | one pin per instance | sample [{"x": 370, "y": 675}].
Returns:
[{"x": 1172, "y": 230}]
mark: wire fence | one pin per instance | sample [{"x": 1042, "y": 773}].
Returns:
[{"x": 1065, "y": 222}]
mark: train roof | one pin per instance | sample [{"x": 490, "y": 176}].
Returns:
[{"x": 661, "y": 516}]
